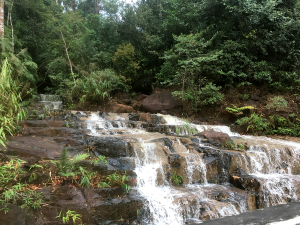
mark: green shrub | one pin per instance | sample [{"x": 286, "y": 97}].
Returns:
[
  {"x": 244, "y": 96},
  {"x": 96, "y": 86},
  {"x": 254, "y": 123},
  {"x": 12, "y": 191},
  {"x": 208, "y": 95},
  {"x": 283, "y": 126},
  {"x": 277, "y": 103}
]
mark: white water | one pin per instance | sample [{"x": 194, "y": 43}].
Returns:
[
  {"x": 172, "y": 205},
  {"x": 195, "y": 164},
  {"x": 160, "y": 201}
]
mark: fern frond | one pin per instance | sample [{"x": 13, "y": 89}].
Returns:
[{"x": 79, "y": 157}]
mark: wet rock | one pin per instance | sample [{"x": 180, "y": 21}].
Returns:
[
  {"x": 159, "y": 101},
  {"x": 134, "y": 117},
  {"x": 103, "y": 193},
  {"x": 119, "y": 108},
  {"x": 246, "y": 182},
  {"x": 167, "y": 143},
  {"x": 34, "y": 123},
  {"x": 112, "y": 147},
  {"x": 34, "y": 146},
  {"x": 125, "y": 207},
  {"x": 163, "y": 129},
  {"x": 213, "y": 170},
  {"x": 216, "y": 137},
  {"x": 174, "y": 160},
  {"x": 48, "y": 131},
  {"x": 154, "y": 119},
  {"x": 18, "y": 216},
  {"x": 122, "y": 165},
  {"x": 146, "y": 117}
]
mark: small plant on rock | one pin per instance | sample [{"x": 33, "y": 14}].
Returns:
[
  {"x": 123, "y": 179},
  {"x": 233, "y": 145},
  {"x": 103, "y": 185},
  {"x": 177, "y": 179},
  {"x": 69, "y": 167},
  {"x": 113, "y": 178},
  {"x": 229, "y": 144},
  {"x": 100, "y": 158},
  {"x": 186, "y": 129},
  {"x": 75, "y": 217}
]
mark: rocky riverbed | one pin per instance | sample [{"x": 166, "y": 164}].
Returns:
[{"x": 151, "y": 148}]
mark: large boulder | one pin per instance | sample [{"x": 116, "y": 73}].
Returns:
[
  {"x": 159, "y": 101},
  {"x": 214, "y": 137}
]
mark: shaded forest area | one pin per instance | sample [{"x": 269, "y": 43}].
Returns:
[{"x": 74, "y": 47}]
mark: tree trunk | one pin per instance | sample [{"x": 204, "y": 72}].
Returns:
[
  {"x": 97, "y": 7},
  {"x": 67, "y": 53},
  {"x": 73, "y": 5},
  {"x": 2, "y": 18},
  {"x": 12, "y": 31},
  {"x": 56, "y": 2}
]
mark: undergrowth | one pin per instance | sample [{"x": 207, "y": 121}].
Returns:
[
  {"x": 10, "y": 110},
  {"x": 12, "y": 191},
  {"x": 274, "y": 125}
]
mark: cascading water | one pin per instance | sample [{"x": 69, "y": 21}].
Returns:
[
  {"x": 270, "y": 165},
  {"x": 160, "y": 201},
  {"x": 195, "y": 164},
  {"x": 195, "y": 200}
]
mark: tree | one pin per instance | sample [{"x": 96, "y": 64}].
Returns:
[{"x": 2, "y": 18}]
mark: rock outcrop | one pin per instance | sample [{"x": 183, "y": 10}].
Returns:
[{"x": 159, "y": 101}]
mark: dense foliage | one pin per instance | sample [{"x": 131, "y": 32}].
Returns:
[
  {"x": 10, "y": 111},
  {"x": 198, "y": 46}
]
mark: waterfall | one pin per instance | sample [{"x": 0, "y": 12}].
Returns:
[
  {"x": 267, "y": 160},
  {"x": 160, "y": 200}
]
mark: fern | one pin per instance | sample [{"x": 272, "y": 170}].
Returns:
[
  {"x": 85, "y": 182},
  {"x": 79, "y": 157},
  {"x": 68, "y": 167}
]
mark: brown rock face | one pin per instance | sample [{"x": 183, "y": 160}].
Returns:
[
  {"x": 159, "y": 101},
  {"x": 218, "y": 137},
  {"x": 119, "y": 108},
  {"x": 140, "y": 97}
]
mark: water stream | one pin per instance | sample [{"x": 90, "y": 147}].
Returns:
[{"x": 198, "y": 199}]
